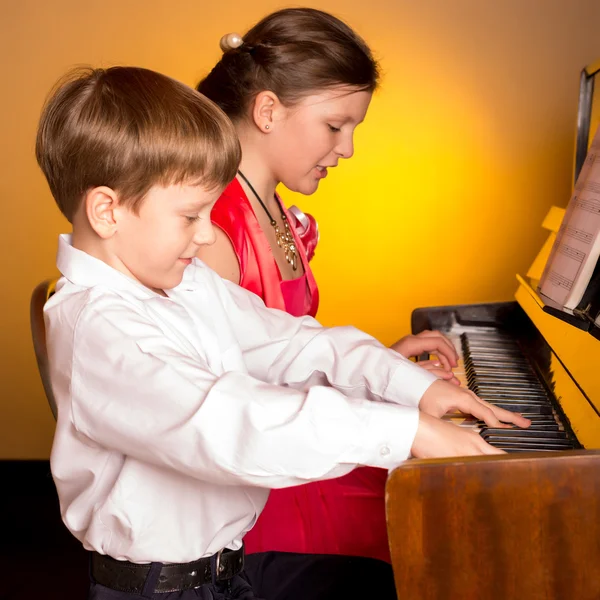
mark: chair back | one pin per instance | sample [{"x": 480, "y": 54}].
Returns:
[{"x": 38, "y": 331}]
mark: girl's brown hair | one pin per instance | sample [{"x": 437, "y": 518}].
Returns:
[{"x": 291, "y": 52}]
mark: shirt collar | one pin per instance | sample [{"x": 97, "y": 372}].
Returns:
[{"x": 86, "y": 271}]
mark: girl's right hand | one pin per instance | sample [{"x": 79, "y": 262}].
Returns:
[
  {"x": 433, "y": 342},
  {"x": 439, "y": 439},
  {"x": 435, "y": 367}
]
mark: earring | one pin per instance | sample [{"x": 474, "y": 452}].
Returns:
[{"x": 267, "y": 126}]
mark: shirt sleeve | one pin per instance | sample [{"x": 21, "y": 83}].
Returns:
[
  {"x": 300, "y": 352},
  {"x": 136, "y": 391}
]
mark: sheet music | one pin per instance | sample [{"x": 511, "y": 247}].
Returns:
[{"x": 577, "y": 245}]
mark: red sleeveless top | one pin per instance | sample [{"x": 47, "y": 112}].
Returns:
[
  {"x": 259, "y": 272},
  {"x": 336, "y": 516}
]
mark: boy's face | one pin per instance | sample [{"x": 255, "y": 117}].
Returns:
[{"x": 156, "y": 245}]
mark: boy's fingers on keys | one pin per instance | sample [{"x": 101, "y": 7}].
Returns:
[
  {"x": 493, "y": 415},
  {"x": 483, "y": 412},
  {"x": 436, "y": 438},
  {"x": 507, "y": 417}
]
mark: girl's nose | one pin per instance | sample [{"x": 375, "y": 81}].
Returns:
[{"x": 346, "y": 147}]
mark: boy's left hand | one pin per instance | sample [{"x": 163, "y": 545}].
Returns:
[{"x": 433, "y": 342}]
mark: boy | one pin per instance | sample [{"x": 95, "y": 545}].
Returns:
[{"x": 181, "y": 398}]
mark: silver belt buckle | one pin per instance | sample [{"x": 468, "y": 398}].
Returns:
[{"x": 218, "y": 566}]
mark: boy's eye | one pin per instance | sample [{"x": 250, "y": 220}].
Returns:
[
  {"x": 333, "y": 129},
  {"x": 192, "y": 219}
]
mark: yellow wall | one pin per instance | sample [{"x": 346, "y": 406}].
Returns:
[{"x": 464, "y": 149}]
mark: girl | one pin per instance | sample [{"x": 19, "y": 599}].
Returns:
[{"x": 296, "y": 86}]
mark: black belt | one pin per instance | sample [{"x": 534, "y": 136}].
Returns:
[{"x": 125, "y": 576}]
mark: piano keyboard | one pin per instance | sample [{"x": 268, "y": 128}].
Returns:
[{"x": 492, "y": 364}]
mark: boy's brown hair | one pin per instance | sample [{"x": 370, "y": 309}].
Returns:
[{"x": 130, "y": 128}]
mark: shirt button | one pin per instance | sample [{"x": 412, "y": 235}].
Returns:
[{"x": 384, "y": 451}]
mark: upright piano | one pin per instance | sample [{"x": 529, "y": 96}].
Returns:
[{"x": 526, "y": 524}]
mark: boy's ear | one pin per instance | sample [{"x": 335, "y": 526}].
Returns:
[
  {"x": 100, "y": 206},
  {"x": 265, "y": 110}
]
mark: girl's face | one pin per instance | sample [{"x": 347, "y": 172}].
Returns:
[{"x": 311, "y": 136}]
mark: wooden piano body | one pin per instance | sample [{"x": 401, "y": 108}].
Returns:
[
  {"x": 507, "y": 528},
  {"x": 525, "y": 525}
]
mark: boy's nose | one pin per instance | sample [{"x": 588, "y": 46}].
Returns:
[{"x": 205, "y": 234}]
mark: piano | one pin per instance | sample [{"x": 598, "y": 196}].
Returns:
[{"x": 526, "y": 524}]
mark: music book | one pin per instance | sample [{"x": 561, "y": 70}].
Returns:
[{"x": 571, "y": 279}]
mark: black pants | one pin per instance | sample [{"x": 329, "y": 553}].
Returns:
[{"x": 287, "y": 576}]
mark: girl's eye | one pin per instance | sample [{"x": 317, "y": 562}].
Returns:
[
  {"x": 333, "y": 129},
  {"x": 192, "y": 219}
]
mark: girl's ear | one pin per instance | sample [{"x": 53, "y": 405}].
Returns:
[{"x": 265, "y": 110}]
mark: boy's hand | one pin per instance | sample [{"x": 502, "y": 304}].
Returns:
[
  {"x": 439, "y": 439},
  {"x": 428, "y": 341},
  {"x": 441, "y": 398}
]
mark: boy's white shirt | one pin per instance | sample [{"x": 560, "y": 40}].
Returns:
[{"x": 175, "y": 415}]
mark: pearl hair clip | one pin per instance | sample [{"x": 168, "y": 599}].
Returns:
[{"x": 230, "y": 41}]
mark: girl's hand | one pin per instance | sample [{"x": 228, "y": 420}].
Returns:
[
  {"x": 428, "y": 341},
  {"x": 435, "y": 367}
]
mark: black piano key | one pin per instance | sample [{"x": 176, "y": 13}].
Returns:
[
  {"x": 524, "y": 433},
  {"x": 510, "y": 388},
  {"x": 508, "y": 381},
  {"x": 496, "y": 440},
  {"x": 489, "y": 356},
  {"x": 550, "y": 425},
  {"x": 507, "y": 394},
  {"x": 497, "y": 361},
  {"x": 535, "y": 417},
  {"x": 494, "y": 398},
  {"x": 489, "y": 363},
  {"x": 501, "y": 374},
  {"x": 469, "y": 342},
  {"x": 522, "y": 408},
  {"x": 504, "y": 385},
  {"x": 498, "y": 369},
  {"x": 511, "y": 449},
  {"x": 505, "y": 372},
  {"x": 525, "y": 445}
]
